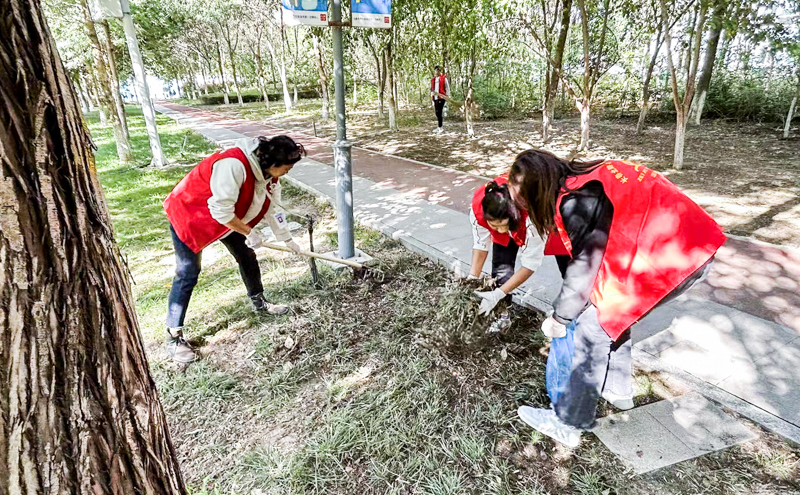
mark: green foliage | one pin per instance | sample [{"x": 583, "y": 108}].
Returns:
[{"x": 757, "y": 98}]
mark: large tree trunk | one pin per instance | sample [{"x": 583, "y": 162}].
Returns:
[
  {"x": 80, "y": 412},
  {"x": 708, "y": 63},
  {"x": 106, "y": 98},
  {"x": 225, "y": 89},
  {"x": 390, "y": 79},
  {"x": 323, "y": 78},
  {"x": 551, "y": 88},
  {"x": 112, "y": 65}
]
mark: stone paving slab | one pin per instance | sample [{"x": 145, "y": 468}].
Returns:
[
  {"x": 771, "y": 383},
  {"x": 667, "y": 432}
]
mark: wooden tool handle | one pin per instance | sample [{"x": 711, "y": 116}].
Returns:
[{"x": 312, "y": 254}]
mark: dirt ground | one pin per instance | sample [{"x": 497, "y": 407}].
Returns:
[{"x": 744, "y": 174}]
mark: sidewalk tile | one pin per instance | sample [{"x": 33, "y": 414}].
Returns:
[
  {"x": 774, "y": 384},
  {"x": 667, "y": 432}
]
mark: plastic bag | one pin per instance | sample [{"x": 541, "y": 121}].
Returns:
[{"x": 559, "y": 364}]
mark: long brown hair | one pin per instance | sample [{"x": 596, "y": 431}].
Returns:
[{"x": 541, "y": 176}]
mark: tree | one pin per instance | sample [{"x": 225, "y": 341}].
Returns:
[
  {"x": 112, "y": 65},
  {"x": 80, "y": 412},
  {"x": 317, "y": 35},
  {"x": 542, "y": 26},
  {"x": 656, "y": 27},
  {"x": 691, "y": 58},
  {"x": 232, "y": 42},
  {"x": 715, "y": 30},
  {"x": 104, "y": 88}
]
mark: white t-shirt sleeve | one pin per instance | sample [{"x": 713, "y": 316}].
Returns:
[
  {"x": 279, "y": 228},
  {"x": 227, "y": 177},
  {"x": 480, "y": 235},
  {"x": 532, "y": 253}
]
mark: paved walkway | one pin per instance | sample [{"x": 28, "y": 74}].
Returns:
[{"x": 736, "y": 338}]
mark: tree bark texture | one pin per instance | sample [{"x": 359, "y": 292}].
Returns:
[
  {"x": 104, "y": 88},
  {"x": 79, "y": 412}
]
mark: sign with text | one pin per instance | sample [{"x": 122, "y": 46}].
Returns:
[
  {"x": 371, "y": 13},
  {"x": 105, "y": 9},
  {"x": 311, "y": 12}
]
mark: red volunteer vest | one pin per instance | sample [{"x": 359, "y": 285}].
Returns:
[
  {"x": 187, "y": 204},
  {"x": 518, "y": 235},
  {"x": 442, "y": 85},
  {"x": 658, "y": 238}
]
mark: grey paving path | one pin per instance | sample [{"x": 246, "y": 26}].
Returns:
[
  {"x": 667, "y": 432},
  {"x": 749, "y": 364}
]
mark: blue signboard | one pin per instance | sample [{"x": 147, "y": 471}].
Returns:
[
  {"x": 371, "y": 13},
  {"x": 312, "y": 12}
]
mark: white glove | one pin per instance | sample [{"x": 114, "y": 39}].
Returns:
[
  {"x": 254, "y": 239},
  {"x": 472, "y": 277},
  {"x": 553, "y": 329},
  {"x": 490, "y": 300},
  {"x": 293, "y": 246}
]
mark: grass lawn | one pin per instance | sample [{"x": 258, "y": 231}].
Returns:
[{"x": 365, "y": 388}]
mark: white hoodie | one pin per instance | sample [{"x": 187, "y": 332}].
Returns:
[{"x": 227, "y": 177}]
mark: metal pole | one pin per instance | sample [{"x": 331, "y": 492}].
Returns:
[
  {"x": 341, "y": 148},
  {"x": 143, "y": 92}
]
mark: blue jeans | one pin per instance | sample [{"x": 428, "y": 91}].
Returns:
[
  {"x": 599, "y": 363},
  {"x": 187, "y": 269}
]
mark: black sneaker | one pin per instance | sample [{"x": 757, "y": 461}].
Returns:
[
  {"x": 178, "y": 349},
  {"x": 260, "y": 304}
]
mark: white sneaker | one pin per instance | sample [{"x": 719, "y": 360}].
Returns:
[
  {"x": 546, "y": 421},
  {"x": 619, "y": 401}
]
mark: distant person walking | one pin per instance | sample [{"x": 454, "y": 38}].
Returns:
[{"x": 440, "y": 90}]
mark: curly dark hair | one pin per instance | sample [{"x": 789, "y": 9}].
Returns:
[{"x": 278, "y": 151}]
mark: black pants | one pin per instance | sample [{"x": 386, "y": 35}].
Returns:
[
  {"x": 504, "y": 260},
  {"x": 438, "y": 105},
  {"x": 187, "y": 269}
]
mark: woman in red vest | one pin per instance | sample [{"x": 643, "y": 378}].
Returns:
[
  {"x": 627, "y": 239},
  {"x": 495, "y": 216},
  {"x": 223, "y": 198},
  {"x": 440, "y": 86}
]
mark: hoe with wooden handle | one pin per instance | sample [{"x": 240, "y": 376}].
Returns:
[{"x": 363, "y": 272}]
